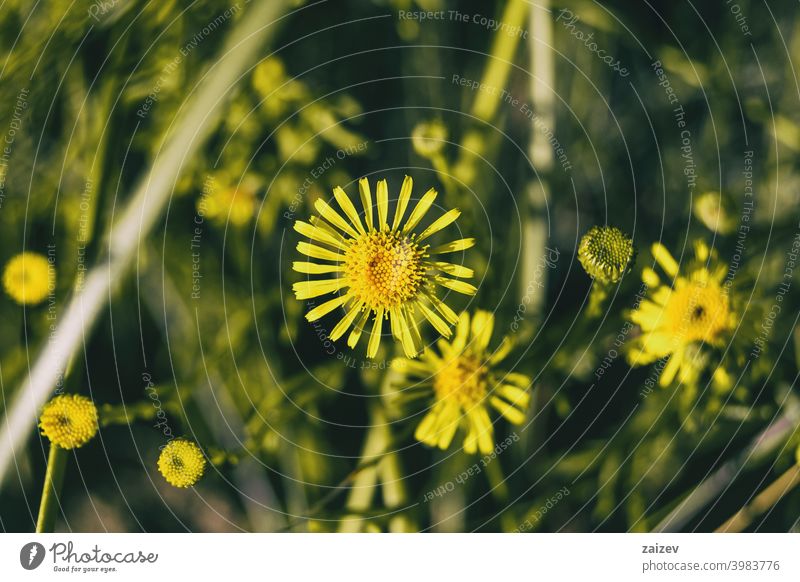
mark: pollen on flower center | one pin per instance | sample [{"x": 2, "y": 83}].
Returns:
[
  {"x": 698, "y": 311},
  {"x": 463, "y": 378},
  {"x": 384, "y": 269}
]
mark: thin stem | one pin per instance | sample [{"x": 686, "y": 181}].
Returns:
[
  {"x": 53, "y": 480},
  {"x": 193, "y": 126},
  {"x": 765, "y": 500}
]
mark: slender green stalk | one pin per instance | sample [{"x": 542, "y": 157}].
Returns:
[
  {"x": 764, "y": 501},
  {"x": 192, "y": 127},
  {"x": 365, "y": 482},
  {"x": 53, "y": 481}
]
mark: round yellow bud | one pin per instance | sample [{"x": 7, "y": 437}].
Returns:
[
  {"x": 28, "y": 278},
  {"x": 182, "y": 463},
  {"x": 69, "y": 420},
  {"x": 606, "y": 253}
]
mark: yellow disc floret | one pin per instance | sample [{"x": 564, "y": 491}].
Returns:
[
  {"x": 385, "y": 269},
  {"x": 69, "y": 421},
  {"x": 28, "y": 278},
  {"x": 182, "y": 463}
]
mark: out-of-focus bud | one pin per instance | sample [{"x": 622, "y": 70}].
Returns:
[
  {"x": 714, "y": 210},
  {"x": 428, "y": 138}
]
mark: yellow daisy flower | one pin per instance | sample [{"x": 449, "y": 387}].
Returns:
[
  {"x": 465, "y": 383},
  {"x": 181, "y": 463},
  {"x": 69, "y": 420},
  {"x": 678, "y": 320},
  {"x": 378, "y": 268},
  {"x": 28, "y": 277}
]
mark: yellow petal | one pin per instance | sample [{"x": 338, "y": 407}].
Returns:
[
  {"x": 443, "y": 221},
  {"x": 482, "y": 327},
  {"x": 345, "y": 323},
  {"x": 454, "y": 270},
  {"x": 314, "y": 268},
  {"x": 375, "y": 337},
  {"x": 318, "y": 252},
  {"x": 665, "y": 259},
  {"x": 383, "y": 204},
  {"x": 402, "y": 201},
  {"x": 318, "y": 234},
  {"x": 457, "y": 286},
  {"x": 420, "y": 210},
  {"x": 311, "y": 289},
  {"x": 326, "y": 307},
  {"x": 328, "y": 213},
  {"x": 366, "y": 201},
  {"x": 452, "y": 247},
  {"x": 511, "y": 414},
  {"x": 347, "y": 207},
  {"x": 437, "y": 322}
]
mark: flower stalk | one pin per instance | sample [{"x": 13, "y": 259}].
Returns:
[{"x": 51, "y": 491}]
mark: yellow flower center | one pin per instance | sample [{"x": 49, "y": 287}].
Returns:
[
  {"x": 699, "y": 311},
  {"x": 385, "y": 269},
  {"x": 69, "y": 420},
  {"x": 462, "y": 378},
  {"x": 181, "y": 463}
]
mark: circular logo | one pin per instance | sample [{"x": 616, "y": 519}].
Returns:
[{"x": 31, "y": 555}]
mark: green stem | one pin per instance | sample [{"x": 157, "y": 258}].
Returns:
[
  {"x": 765, "y": 500},
  {"x": 53, "y": 480}
]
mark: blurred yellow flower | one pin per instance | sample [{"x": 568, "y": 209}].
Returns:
[
  {"x": 69, "y": 420},
  {"x": 465, "y": 382},
  {"x": 181, "y": 463},
  {"x": 28, "y": 277},
  {"x": 380, "y": 269},
  {"x": 429, "y": 138},
  {"x": 223, "y": 203},
  {"x": 680, "y": 318}
]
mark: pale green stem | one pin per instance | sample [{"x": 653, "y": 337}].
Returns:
[{"x": 51, "y": 491}]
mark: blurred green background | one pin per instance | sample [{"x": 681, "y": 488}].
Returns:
[{"x": 204, "y": 338}]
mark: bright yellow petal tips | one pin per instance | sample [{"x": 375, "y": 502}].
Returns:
[
  {"x": 465, "y": 384},
  {"x": 665, "y": 259},
  {"x": 28, "y": 278},
  {"x": 381, "y": 271},
  {"x": 69, "y": 421},
  {"x": 182, "y": 463}
]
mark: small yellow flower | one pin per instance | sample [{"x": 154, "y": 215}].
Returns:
[
  {"x": 181, "y": 463},
  {"x": 465, "y": 382},
  {"x": 69, "y": 420},
  {"x": 236, "y": 204},
  {"x": 28, "y": 278},
  {"x": 678, "y": 319},
  {"x": 378, "y": 269},
  {"x": 606, "y": 253}
]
